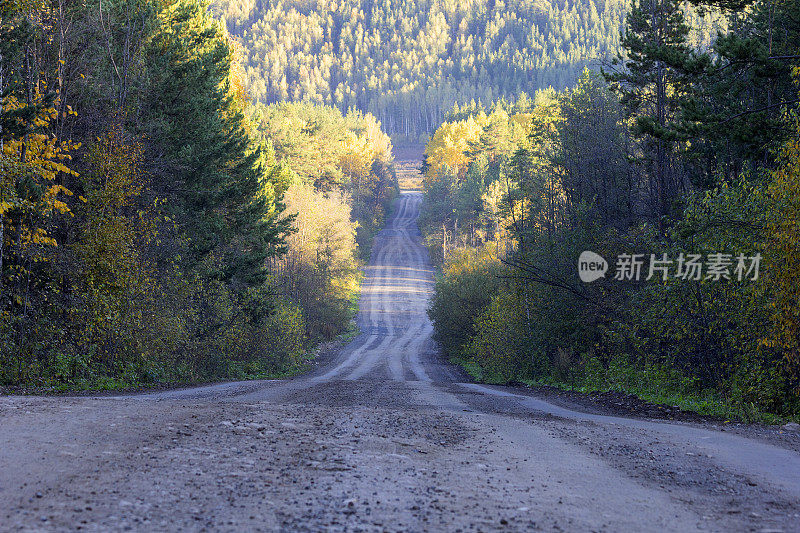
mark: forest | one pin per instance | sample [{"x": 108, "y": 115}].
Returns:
[
  {"x": 188, "y": 189},
  {"x": 677, "y": 164},
  {"x": 155, "y": 224},
  {"x": 408, "y": 61}
]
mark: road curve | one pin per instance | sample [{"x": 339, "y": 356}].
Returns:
[{"x": 382, "y": 435}]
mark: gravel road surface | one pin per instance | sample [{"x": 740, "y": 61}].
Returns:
[{"x": 382, "y": 436}]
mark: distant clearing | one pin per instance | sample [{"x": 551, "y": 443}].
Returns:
[{"x": 407, "y": 164}]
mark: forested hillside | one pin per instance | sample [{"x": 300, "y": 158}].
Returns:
[
  {"x": 154, "y": 225},
  {"x": 679, "y": 166},
  {"x": 408, "y": 61}
]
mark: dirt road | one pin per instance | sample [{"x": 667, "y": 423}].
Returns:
[{"x": 383, "y": 435}]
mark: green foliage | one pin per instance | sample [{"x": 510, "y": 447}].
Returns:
[
  {"x": 143, "y": 234},
  {"x": 652, "y": 77},
  {"x": 741, "y": 89},
  {"x": 499, "y": 346},
  {"x": 227, "y": 208},
  {"x": 462, "y": 292},
  {"x": 721, "y": 346},
  {"x": 409, "y": 61},
  {"x": 334, "y": 151},
  {"x": 284, "y": 335},
  {"x": 591, "y": 151},
  {"x": 782, "y": 254}
]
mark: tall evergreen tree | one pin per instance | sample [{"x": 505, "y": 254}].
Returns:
[
  {"x": 228, "y": 208},
  {"x": 735, "y": 114},
  {"x": 591, "y": 151},
  {"x": 651, "y": 76}
]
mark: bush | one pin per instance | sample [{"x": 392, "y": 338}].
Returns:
[
  {"x": 284, "y": 334},
  {"x": 501, "y": 345},
  {"x": 462, "y": 292}
]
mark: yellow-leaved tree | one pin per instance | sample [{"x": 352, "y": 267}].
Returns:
[
  {"x": 782, "y": 262},
  {"x": 356, "y": 162},
  {"x": 449, "y": 147},
  {"x": 33, "y": 163},
  {"x": 319, "y": 270},
  {"x": 31, "y": 194},
  {"x": 30, "y": 191}
]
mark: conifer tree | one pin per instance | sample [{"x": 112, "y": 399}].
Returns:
[
  {"x": 228, "y": 209},
  {"x": 651, "y": 77},
  {"x": 735, "y": 113}
]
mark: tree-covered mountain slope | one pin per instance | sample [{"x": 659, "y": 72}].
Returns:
[{"x": 408, "y": 61}]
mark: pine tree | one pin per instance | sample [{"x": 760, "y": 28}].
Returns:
[
  {"x": 228, "y": 210},
  {"x": 651, "y": 78},
  {"x": 741, "y": 93}
]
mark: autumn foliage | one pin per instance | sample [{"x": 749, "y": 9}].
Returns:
[
  {"x": 150, "y": 230},
  {"x": 509, "y": 304}
]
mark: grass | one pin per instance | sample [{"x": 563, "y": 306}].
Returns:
[
  {"x": 708, "y": 402},
  {"x": 120, "y": 384}
]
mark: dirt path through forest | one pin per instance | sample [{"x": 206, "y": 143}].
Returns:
[{"x": 383, "y": 435}]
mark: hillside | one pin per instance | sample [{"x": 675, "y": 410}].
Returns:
[{"x": 408, "y": 61}]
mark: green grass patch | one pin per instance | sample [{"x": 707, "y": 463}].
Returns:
[
  {"x": 645, "y": 386},
  {"x": 708, "y": 403}
]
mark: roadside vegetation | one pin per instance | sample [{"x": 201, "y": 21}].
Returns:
[
  {"x": 672, "y": 149},
  {"x": 155, "y": 226}
]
